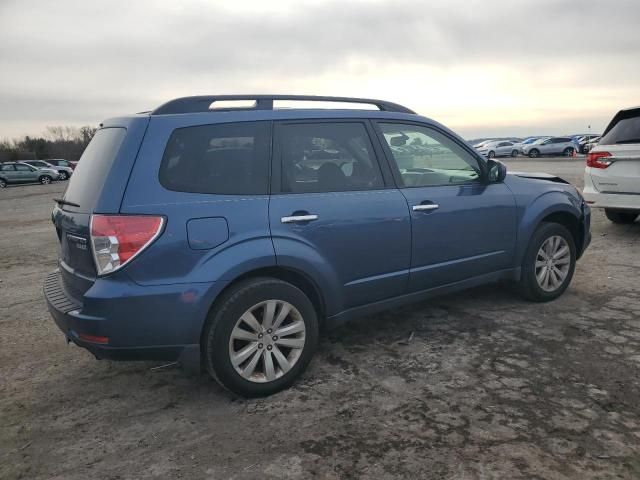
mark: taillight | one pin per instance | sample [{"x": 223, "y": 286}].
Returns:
[
  {"x": 117, "y": 239},
  {"x": 598, "y": 159}
]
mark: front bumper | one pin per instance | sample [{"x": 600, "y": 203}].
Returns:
[
  {"x": 140, "y": 323},
  {"x": 586, "y": 229}
]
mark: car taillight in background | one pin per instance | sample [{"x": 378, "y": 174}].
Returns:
[
  {"x": 117, "y": 239},
  {"x": 598, "y": 159}
]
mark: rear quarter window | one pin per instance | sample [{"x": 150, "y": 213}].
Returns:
[{"x": 226, "y": 159}]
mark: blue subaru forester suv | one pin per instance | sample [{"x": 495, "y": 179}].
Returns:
[{"x": 226, "y": 235}]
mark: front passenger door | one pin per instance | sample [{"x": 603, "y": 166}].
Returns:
[
  {"x": 335, "y": 214},
  {"x": 25, "y": 173},
  {"x": 462, "y": 226}
]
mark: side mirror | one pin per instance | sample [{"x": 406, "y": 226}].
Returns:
[
  {"x": 399, "y": 141},
  {"x": 497, "y": 171}
]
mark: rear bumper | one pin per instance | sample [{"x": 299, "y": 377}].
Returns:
[
  {"x": 596, "y": 199},
  {"x": 141, "y": 323}
]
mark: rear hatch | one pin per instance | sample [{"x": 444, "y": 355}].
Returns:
[
  {"x": 96, "y": 186},
  {"x": 621, "y": 141}
]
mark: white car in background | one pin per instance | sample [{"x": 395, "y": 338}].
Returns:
[
  {"x": 499, "y": 148},
  {"x": 612, "y": 174}
]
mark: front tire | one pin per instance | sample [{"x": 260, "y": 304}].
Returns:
[
  {"x": 621, "y": 216},
  {"x": 45, "y": 180},
  {"x": 491, "y": 154},
  {"x": 260, "y": 338},
  {"x": 3, "y": 183},
  {"x": 568, "y": 152},
  {"x": 548, "y": 264},
  {"x": 63, "y": 176},
  {"x": 534, "y": 153},
  {"x": 514, "y": 153}
]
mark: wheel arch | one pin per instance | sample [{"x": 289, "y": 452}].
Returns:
[
  {"x": 290, "y": 275},
  {"x": 554, "y": 207}
]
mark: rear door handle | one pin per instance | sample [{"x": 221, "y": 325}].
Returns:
[
  {"x": 427, "y": 206},
  {"x": 299, "y": 218}
]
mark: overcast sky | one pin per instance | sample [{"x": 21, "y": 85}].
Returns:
[{"x": 481, "y": 67}]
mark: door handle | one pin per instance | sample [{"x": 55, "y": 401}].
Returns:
[
  {"x": 427, "y": 206},
  {"x": 299, "y": 218}
]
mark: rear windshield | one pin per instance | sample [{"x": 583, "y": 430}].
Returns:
[
  {"x": 626, "y": 130},
  {"x": 94, "y": 165}
]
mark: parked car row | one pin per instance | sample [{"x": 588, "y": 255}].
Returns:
[
  {"x": 535, "y": 147},
  {"x": 32, "y": 171}
]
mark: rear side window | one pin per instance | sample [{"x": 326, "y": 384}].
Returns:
[
  {"x": 7, "y": 168},
  {"x": 225, "y": 159},
  {"x": 627, "y": 130},
  {"x": 94, "y": 165},
  {"x": 327, "y": 157}
]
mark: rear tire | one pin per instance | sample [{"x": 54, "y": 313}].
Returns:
[
  {"x": 621, "y": 216},
  {"x": 514, "y": 153},
  {"x": 568, "y": 152},
  {"x": 548, "y": 264},
  {"x": 238, "y": 328},
  {"x": 45, "y": 180},
  {"x": 3, "y": 183},
  {"x": 491, "y": 154},
  {"x": 63, "y": 176},
  {"x": 534, "y": 153}
]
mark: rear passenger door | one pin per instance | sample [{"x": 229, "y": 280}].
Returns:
[
  {"x": 462, "y": 227},
  {"x": 335, "y": 214}
]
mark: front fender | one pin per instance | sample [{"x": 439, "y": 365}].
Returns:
[{"x": 548, "y": 203}]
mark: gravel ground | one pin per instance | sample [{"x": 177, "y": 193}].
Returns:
[{"x": 489, "y": 386}]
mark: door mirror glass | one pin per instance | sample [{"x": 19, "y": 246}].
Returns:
[{"x": 497, "y": 171}]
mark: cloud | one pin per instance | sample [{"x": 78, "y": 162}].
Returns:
[{"x": 78, "y": 62}]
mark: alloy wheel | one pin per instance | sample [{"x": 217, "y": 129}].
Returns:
[
  {"x": 267, "y": 341},
  {"x": 553, "y": 262}
]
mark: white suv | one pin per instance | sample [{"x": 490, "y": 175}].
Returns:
[{"x": 612, "y": 175}]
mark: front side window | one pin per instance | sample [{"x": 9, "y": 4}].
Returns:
[
  {"x": 225, "y": 159},
  {"x": 427, "y": 158},
  {"x": 327, "y": 157},
  {"x": 24, "y": 168}
]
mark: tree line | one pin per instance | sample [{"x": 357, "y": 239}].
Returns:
[{"x": 58, "y": 142}]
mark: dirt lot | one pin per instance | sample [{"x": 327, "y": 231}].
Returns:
[{"x": 489, "y": 387}]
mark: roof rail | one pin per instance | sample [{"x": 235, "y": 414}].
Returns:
[{"x": 263, "y": 102}]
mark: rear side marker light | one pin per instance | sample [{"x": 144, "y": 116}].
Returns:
[
  {"x": 93, "y": 338},
  {"x": 598, "y": 159},
  {"x": 117, "y": 239}
]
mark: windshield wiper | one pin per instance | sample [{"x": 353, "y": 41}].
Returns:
[
  {"x": 62, "y": 201},
  {"x": 629, "y": 140}
]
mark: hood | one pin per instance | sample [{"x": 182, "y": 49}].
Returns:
[{"x": 539, "y": 176}]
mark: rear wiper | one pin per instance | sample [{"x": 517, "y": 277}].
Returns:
[
  {"x": 62, "y": 201},
  {"x": 630, "y": 140}
]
